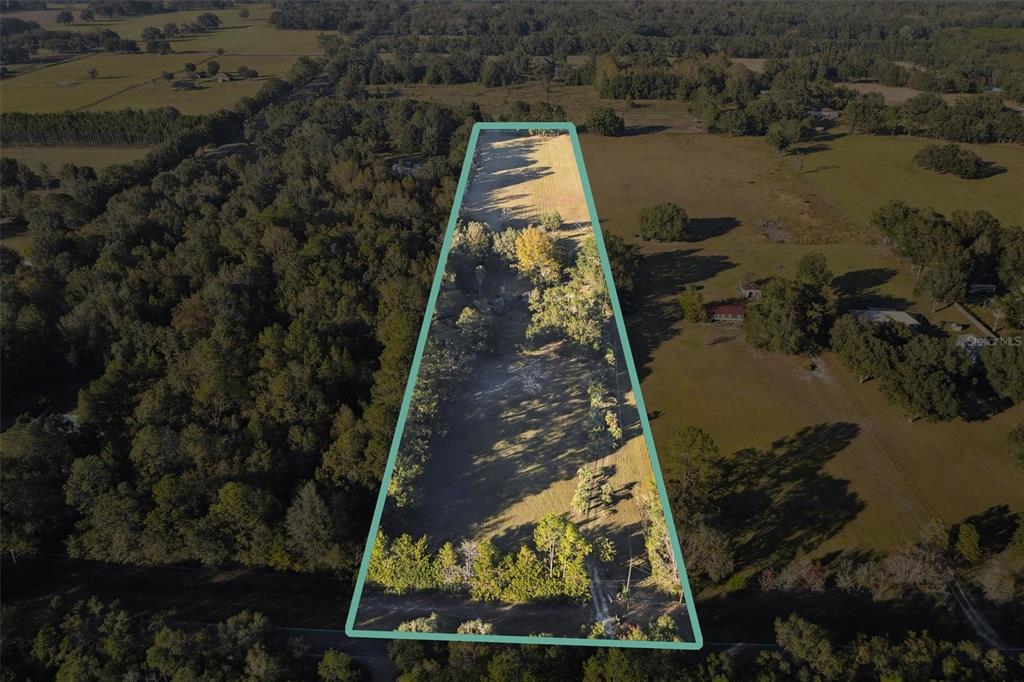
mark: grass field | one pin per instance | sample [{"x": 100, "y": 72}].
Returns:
[
  {"x": 849, "y": 170},
  {"x": 55, "y": 157},
  {"x": 848, "y": 470},
  {"x": 252, "y": 35},
  {"x": 133, "y": 80}
]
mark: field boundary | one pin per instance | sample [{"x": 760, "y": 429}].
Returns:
[{"x": 350, "y": 624}]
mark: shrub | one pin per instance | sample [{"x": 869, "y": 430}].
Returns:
[
  {"x": 950, "y": 158},
  {"x": 605, "y": 121},
  {"x": 665, "y": 222}
]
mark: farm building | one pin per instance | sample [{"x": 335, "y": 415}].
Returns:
[
  {"x": 880, "y": 315},
  {"x": 222, "y": 77},
  {"x": 981, "y": 288},
  {"x": 727, "y": 312},
  {"x": 750, "y": 290},
  {"x": 184, "y": 85},
  {"x": 825, "y": 114}
]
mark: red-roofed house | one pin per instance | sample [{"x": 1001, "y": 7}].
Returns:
[{"x": 727, "y": 312}]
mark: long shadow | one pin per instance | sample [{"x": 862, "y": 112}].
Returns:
[
  {"x": 642, "y": 130},
  {"x": 859, "y": 289},
  {"x": 781, "y": 502},
  {"x": 996, "y": 526},
  {"x": 700, "y": 229},
  {"x": 990, "y": 169},
  {"x": 811, "y": 149},
  {"x": 507, "y": 165},
  {"x": 661, "y": 278}
]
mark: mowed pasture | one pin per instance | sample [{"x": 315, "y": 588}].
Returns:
[
  {"x": 134, "y": 80},
  {"x": 211, "y": 95},
  {"x": 847, "y": 471},
  {"x": 861, "y": 172},
  {"x": 251, "y": 35},
  {"x": 577, "y": 100},
  {"x": 55, "y": 157}
]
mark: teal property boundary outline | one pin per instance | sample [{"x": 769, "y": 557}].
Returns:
[{"x": 350, "y": 628}]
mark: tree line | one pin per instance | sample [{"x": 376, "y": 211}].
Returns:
[
  {"x": 856, "y": 40},
  {"x": 23, "y": 40},
  {"x": 553, "y": 568},
  {"x": 72, "y": 128},
  {"x": 65, "y": 639}
]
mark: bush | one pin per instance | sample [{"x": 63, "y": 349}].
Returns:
[
  {"x": 605, "y": 121},
  {"x": 1015, "y": 443},
  {"x": 691, "y": 303},
  {"x": 663, "y": 222},
  {"x": 951, "y": 158}
]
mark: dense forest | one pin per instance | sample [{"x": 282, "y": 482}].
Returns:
[{"x": 96, "y": 640}]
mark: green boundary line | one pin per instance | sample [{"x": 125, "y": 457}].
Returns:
[{"x": 350, "y": 628}]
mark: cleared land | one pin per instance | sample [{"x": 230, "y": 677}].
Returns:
[
  {"x": 847, "y": 470},
  {"x": 55, "y": 157},
  {"x": 848, "y": 170},
  {"x": 515, "y": 437}
]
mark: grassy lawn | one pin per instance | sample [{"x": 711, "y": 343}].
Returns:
[
  {"x": 251, "y": 35},
  {"x": 847, "y": 470},
  {"x": 42, "y": 89},
  {"x": 133, "y": 80},
  {"x": 861, "y": 172},
  {"x": 211, "y": 96},
  {"x": 21, "y": 242},
  {"x": 55, "y": 157}
]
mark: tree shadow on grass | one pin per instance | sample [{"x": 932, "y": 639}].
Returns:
[
  {"x": 990, "y": 169},
  {"x": 642, "y": 130},
  {"x": 661, "y": 278},
  {"x": 859, "y": 289},
  {"x": 996, "y": 526},
  {"x": 781, "y": 502},
  {"x": 700, "y": 229}
]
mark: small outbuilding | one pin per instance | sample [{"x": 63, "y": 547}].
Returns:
[
  {"x": 982, "y": 288},
  {"x": 727, "y": 312},
  {"x": 184, "y": 85},
  {"x": 750, "y": 290},
  {"x": 881, "y": 315}
]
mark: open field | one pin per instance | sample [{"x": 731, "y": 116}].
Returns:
[
  {"x": 55, "y": 157},
  {"x": 847, "y": 470},
  {"x": 524, "y": 178},
  {"x": 252, "y": 35},
  {"x": 895, "y": 94},
  {"x": 850, "y": 170},
  {"x": 211, "y": 96},
  {"x": 133, "y": 80},
  {"x": 577, "y": 100}
]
